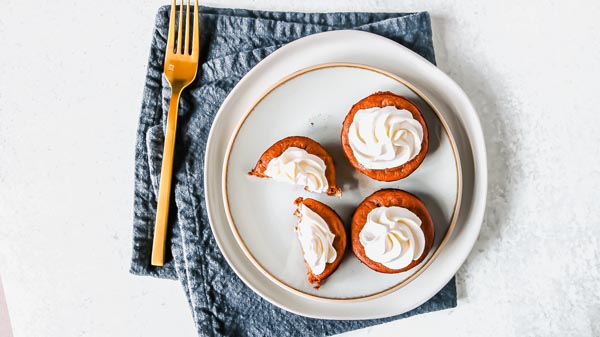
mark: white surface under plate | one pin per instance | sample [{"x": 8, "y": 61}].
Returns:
[
  {"x": 314, "y": 103},
  {"x": 447, "y": 97}
]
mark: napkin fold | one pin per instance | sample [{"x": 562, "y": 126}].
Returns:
[{"x": 232, "y": 42}]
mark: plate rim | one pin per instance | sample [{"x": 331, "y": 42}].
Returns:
[
  {"x": 471, "y": 136},
  {"x": 422, "y": 266}
]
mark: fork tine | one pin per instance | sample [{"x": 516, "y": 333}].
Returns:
[
  {"x": 196, "y": 31},
  {"x": 171, "y": 38},
  {"x": 187, "y": 28},
  {"x": 180, "y": 29}
]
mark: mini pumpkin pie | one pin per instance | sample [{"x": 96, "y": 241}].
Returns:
[
  {"x": 322, "y": 238},
  {"x": 391, "y": 231},
  {"x": 299, "y": 160},
  {"x": 385, "y": 136}
]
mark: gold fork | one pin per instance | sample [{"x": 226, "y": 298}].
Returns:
[{"x": 181, "y": 66}]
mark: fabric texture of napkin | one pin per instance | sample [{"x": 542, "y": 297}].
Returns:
[{"x": 232, "y": 42}]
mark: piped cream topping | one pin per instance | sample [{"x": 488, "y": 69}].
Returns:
[
  {"x": 316, "y": 240},
  {"x": 297, "y": 166},
  {"x": 385, "y": 137},
  {"x": 392, "y": 236}
]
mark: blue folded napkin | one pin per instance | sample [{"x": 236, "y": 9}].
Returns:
[{"x": 232, "y": 42}]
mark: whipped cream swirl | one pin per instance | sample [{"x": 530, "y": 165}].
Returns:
[
  {"x": 386, "y": 137},
  {"x": 316, "y": 240},
  {"x": 392, "y": 236},
  {"x": 297, "y": 166}
]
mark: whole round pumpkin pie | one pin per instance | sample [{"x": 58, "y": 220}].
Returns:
[
  {"x": 299, "y": 160},
  {"x": 391, "y": 231},
  {"x": 385, "y": 136},
  {"x": 322, "y": 238}
]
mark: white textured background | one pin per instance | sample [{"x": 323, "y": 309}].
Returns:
[{"x": 71, "y": 79}]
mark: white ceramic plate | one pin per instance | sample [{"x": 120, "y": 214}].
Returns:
[
  {"x": 314, "y": 102},
  {"x": 446, "y": 96}
]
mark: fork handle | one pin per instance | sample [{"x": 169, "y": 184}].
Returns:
[{"x": 164, "y": 191}]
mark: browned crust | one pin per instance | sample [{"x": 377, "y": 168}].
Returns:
[
  {"x": 382, "y": 99},
  {"x": 388, "y": 198},
  {"x": 336, "y": 226},
  {"x": 309, "y": 146}
]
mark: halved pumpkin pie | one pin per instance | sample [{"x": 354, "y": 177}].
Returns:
[
  {"x": 322, "y": 238},
  {"x": 299, "y": 160}
]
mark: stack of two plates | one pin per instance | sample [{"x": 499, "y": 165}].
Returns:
[{"x": 306, "y": 89}]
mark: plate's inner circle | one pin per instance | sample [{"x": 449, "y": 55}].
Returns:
[{"x": 314, "y": 104}]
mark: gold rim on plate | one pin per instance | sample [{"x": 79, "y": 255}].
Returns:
[{"x": 428, "y": 261}]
